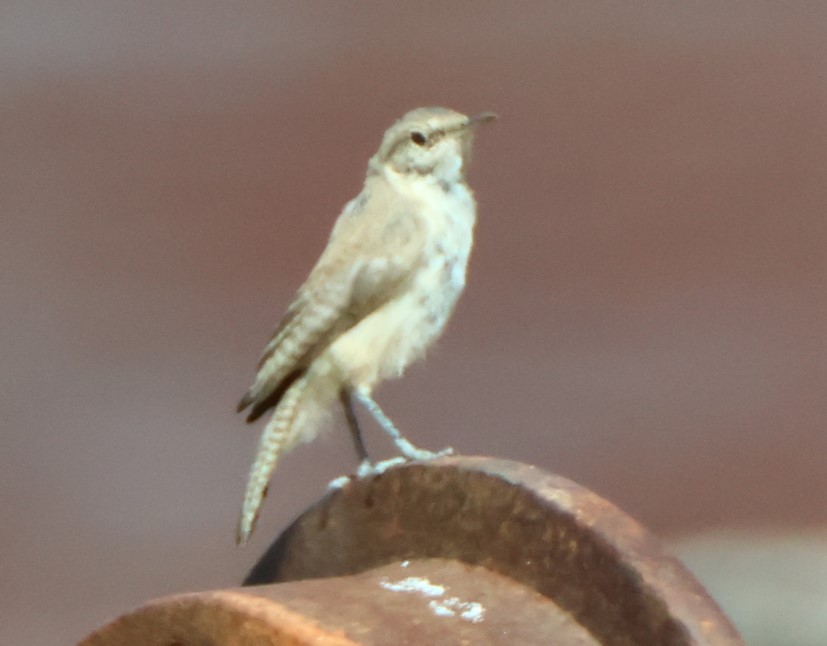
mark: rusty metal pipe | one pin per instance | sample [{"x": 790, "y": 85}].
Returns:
[{"x": 457, "y": 550}]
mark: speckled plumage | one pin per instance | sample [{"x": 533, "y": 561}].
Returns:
[{"x": 379, "y": 295}]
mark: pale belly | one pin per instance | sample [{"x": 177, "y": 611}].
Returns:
[
  {"x": 398, "y": 333},
  {"x": 386, "y": 342}
]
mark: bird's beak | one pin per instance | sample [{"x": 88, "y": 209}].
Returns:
[{"x": 481, "y": 118}]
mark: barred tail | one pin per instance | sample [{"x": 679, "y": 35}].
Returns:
[
  {"x": 279, "y": 436},
  {"x": 298, "y": 417}
]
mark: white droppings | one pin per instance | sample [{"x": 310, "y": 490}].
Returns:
[
  {"x": 440, "y": 610},
  {"x": 416, "y": 584},
  {"x": 446, "y": 607},
  {"x": 473, "y": 613},
  {"x": 468, "y": 610},
  {"x": 405, "y": 563}
]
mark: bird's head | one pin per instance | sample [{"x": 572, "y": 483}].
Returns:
[{"x": 429, "y": 141}]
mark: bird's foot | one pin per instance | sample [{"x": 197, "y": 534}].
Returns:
[
  {"x": 365, "y": 468},
  {"x": 415, "y": 453},
  {"x": 368, "y": 468}
]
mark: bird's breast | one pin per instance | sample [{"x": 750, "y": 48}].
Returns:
[
  {"x": 449, "y": 214},
  {"x": 387, "y": 341}
]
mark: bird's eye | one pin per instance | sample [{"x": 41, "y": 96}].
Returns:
[{"x": 418, "y": 138}]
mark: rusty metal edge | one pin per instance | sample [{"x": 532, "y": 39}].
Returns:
[
  {"x": 664, "y": 577},
  {"x": 221, "y": 614}
]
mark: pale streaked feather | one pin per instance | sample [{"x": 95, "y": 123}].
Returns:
[{"x": 380, "y": 294}]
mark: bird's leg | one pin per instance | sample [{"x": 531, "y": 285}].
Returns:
[
  {"x": 346, "y": 397},
  {"x": 405, "y": 447}
]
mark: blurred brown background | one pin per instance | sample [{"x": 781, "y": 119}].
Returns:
[{"x": 646, "y": 307}]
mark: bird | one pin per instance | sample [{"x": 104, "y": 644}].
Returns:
[{"x": 380, "y": 294}]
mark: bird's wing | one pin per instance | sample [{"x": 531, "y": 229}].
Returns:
[{"x": 353, "y": 278}]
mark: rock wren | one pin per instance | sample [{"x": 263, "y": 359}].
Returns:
[{"x": 379, "y": 295}]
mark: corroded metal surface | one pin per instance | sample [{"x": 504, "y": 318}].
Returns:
[
  {"x": 536, "y": 528},
  {"x": 413, "y": 603},
  {"x": 223, "y": 617},
  {"x": 453, "y": 551}
]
